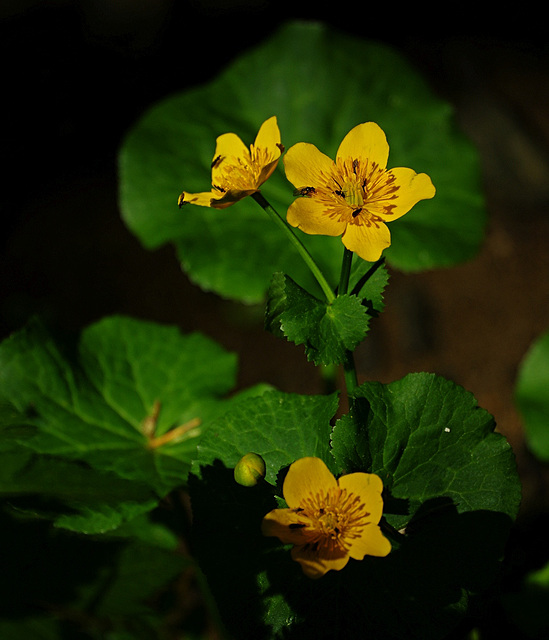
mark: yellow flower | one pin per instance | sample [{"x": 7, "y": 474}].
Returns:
[
  {"x": 328, "y": 521},
  {"x": 354, "y": 196},
  {"x": 236, "y": 171}
]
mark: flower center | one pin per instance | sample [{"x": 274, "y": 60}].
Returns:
[
  {"x": 332, "y": 519},
  {"x": 354, "y": 193},
  {"x": 358, "y": 191},
  {"x": 237, "y": 175},
  {"x": 242, "y": 174}
]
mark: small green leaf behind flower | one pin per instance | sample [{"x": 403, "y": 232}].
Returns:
[
  {"x": 368, "y": 282},
  {"x": 327, "y": 331}
]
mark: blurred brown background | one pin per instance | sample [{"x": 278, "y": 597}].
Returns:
[{"x": 77, "y": 74}]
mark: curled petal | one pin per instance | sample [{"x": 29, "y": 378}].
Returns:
[
  {"x": 203, "y": 199},
  {"x": 366, "y": 140},
  {"x": 222, "y": 201}
]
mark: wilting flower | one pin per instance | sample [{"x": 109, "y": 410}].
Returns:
[
  {"x": 354, "y": 196},
  {"x": 328, "y": 521},
  {"x": 237, "y": 171}
]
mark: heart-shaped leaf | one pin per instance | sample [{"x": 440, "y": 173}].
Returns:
[
  {"x": 131, "y": 400},
  {"x": 319, "y": 83},
  {"x": 449, "y": 480}
]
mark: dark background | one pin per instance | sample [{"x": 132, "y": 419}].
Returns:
[{"x": 76, "y": 76}]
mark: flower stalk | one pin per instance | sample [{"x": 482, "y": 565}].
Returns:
[
  {"x": 308, "y": 259},
  {"x": 349, "y": 368}
]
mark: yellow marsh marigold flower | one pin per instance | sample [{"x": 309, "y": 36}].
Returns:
[
  {"x": 328, "y": 521},
  {"x": 354, "y": 196},
  {"x": 237, "y": 171}
]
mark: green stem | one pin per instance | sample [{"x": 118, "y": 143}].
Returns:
[
  {"x": 262, "y": 202},
  {"x": 349, "y": 372},
  {"x": 345, "y": 272},
  {"x": 349, "y": 368}
]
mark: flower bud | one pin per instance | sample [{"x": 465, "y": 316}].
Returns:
[{"x": 249, "y": 470}]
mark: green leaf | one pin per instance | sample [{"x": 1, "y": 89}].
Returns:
[
  {"x": 89, "y": 587},
  {"x": 368, "y": 282},
  {"x": 123, "y": 588},
  {"x": 327, "y": 331},
  {"x": 73, "y": 495},
  {"x": 297, "y": 76},
  {"x": 102, "y": 403},
  {"x": 532, "y": 397},
  {"x": 449, "y": 479},
  {"x": 280, "y": 427},
  {"x": 428, "y": 439}
]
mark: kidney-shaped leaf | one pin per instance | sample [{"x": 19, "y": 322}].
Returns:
[
  {"x": 319, "y": 83},
  {"x": 449, "y": 481},
  {"x": 115, "y": 402},
  {"x": 428, "y": 439}
]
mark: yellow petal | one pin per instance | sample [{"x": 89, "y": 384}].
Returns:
[
  {"x": 268, "y": 136},
  {"x": 368, "y": 242},
  {"x": 222, "y": 201},
  {"x": 310, "y": 216},
  {"x": 267, "y": 171},
  {"x": 203, "y": 199},
  {"x": 278, "y": 523},
  {"x": 228, "y": 150},
  {"x": 306, "y": 166},
  {"x": 365, "y": 141},
  {"x": 370, "y": 543},
  {"x": 412, "y": 187},
  {"x": 229, "y": 144},
  {"x": 306, "y": 476},
  {"x": 368, "y": 487},
  {"x": 315, "y": 566}
]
